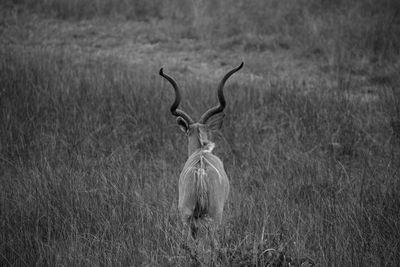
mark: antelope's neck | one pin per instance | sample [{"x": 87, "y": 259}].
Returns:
[
  {"x": 207, "y": 147},
  {"x": 193, "y": 145}
]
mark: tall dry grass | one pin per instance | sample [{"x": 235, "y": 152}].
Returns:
[{"x": 90, "y": 158}]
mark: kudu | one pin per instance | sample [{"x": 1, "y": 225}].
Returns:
[{"x": 203, "y": 183}]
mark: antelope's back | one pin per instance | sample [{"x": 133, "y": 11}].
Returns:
[{"x": 212, "y": 170}]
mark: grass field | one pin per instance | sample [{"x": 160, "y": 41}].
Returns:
[{"x": 90, "y": 155}]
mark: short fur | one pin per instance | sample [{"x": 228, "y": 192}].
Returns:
[{"x": 203, "y": 189}]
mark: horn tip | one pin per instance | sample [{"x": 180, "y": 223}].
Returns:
[
  {"x": 161, "y": 72},
  {"x": 241, "y": 65}
]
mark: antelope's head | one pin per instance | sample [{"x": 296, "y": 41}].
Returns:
[{"x": 211, "y": 120}]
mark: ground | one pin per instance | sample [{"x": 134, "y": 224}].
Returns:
[{"x": 155, "y": 44}]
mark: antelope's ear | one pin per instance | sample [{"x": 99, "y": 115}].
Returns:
[
  {"x": 214, "y": 123},
  {"x": 182, "y": 124}
]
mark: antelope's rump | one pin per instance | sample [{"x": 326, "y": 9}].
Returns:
[{"x": 203, "y": 188}]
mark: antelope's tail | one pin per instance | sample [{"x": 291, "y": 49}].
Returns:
[{"x": 201, "y": 190}]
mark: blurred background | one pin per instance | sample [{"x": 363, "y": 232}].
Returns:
[{"x": 90, "y": 155}]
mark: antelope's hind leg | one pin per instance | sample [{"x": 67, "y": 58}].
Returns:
[
  {"x": 186, "y": 217},
  {"x": 193, "y": 229}
]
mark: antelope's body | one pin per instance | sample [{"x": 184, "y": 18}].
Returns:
[
  {"x": 203, "y": 188},
  {"x": 203, "y": 183}
]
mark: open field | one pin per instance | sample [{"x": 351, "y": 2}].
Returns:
[{"x": 90, "y": 154}]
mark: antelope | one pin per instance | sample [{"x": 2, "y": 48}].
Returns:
[{"x": 203, "y": 183}]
